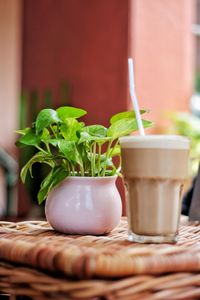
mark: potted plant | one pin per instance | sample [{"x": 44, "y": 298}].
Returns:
[{"x": 80, "y": 187}]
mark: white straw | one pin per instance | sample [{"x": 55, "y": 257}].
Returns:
[{"x": 134, "y": 98}]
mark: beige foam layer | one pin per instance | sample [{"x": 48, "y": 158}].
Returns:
[
  {"x": 155, "y": 141},
  {"x": 155, "y": 163}
]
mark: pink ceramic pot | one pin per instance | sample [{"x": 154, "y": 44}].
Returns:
[{"x": 84, "y": 205}]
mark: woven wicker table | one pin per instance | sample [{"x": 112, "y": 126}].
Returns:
[{"x": 36, "y": 261}]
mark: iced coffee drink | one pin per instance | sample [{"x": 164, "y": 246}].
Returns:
[{"x": 154, "y": 169}]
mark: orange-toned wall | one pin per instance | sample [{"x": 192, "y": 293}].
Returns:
[{"x": 162, "y": 44}]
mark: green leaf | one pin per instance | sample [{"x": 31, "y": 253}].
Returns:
[
  {"x": 55, "y": 176},
  {"x": 115, "y": 151},
  {"x": 23, "y": 131},
  {"x": 83, "y": 149},
  {"x": 85, "y": 137},
  {"x": 70, "y": 128},
  {"x": 147, "y": 123},
  {"x": 45, "y": 135},
  {"x": 125, "y": 115},
  {"x": 105, "y": 161},
  {"x": 45, "y": 118},
  {"x": 96, "y": 130},
  {"x": 69, "y": 149},
  {"x": 29, "y": 139},
  {"x": 66, "y": 112},
  {"x": 54, "y": 142},
  {"x": 124, "y": 127},
  {"x": 44, "y": 187},
  {"x": 39, "y": 157}
]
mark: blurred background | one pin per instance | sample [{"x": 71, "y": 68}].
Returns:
[{"x": 74, "y": 52}]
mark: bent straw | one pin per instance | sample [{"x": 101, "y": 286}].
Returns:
[{"x": 134, "y": 98}]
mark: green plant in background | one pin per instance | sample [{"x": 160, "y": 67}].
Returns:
[
  {"x": 197, "y": 83},
  {"x": 186, "y": 124},
  {"x": 70, "y": 148}
]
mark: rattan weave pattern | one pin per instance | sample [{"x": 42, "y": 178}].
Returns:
[
  {"x": 37, "y": 244},
  {"x": 101, "y": 263},
  {"x": 17, "y": 280}
]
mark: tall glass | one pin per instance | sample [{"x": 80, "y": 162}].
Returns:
[{"x": 154, "y": 169}]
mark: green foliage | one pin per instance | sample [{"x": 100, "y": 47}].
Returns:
[
  {"x": 66, "y": 112},
  {"x": 125, "y": 114},
  {"x": 70, "y": 148},
  {"x": 55, "y": 176},
  {"x": 188, "y": 125},
  {"x": 45, "y": 118},
  {"x": 197, "y": 83}
]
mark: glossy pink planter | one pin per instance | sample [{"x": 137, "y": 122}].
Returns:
[{"x": 84, "y": 205}]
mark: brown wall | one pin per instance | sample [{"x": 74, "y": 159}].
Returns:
[{"x": 83, "y": 42}]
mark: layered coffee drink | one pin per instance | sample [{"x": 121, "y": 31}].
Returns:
[{"x": 154, "y": 169}]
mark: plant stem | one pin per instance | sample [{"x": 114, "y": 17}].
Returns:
[
  {"x": 48, "y": 148},
  {"x": 54, "y": 133},
  {"x": 99, "y": 159},
  {"x": 113, "y": 148},
  {"x": 94, "y": 156},
  {"x": 120, "y": 158},
  {"x": 68, "y": 167},
  {"x": 107, "y": 156},
  {"x": 41, "y": 149},
  {"x": 92, "y": 174},
  {"x": 82, "y": 170},
  {"x": 72, "y": 169},
  {"x": 57, "y": 133}
]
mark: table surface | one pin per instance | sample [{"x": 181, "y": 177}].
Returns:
[{"x": 38, "y": 262}]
